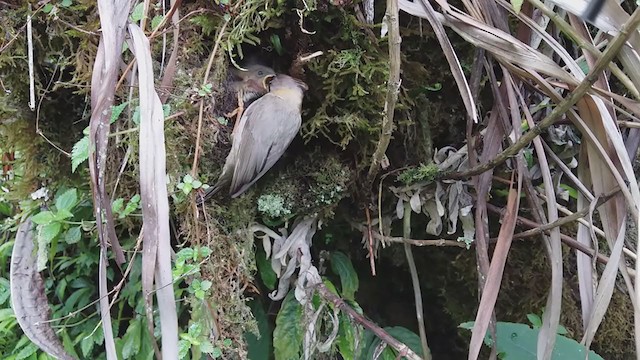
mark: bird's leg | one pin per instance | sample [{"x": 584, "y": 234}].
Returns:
[{"x": 237, "y": 112}]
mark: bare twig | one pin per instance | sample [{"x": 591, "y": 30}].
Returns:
[
  {"x": 32, "y": 82},
  {"x": 393, "y": 87},
  {"x": 372, "y": 258},
  {"x": 417, "y": 293},
  {"x": 402, "y": 348}
]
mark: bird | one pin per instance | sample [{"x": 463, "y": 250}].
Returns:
[
  {"x": 265, "y": 130},
  {"x": 248, "y": 86}
]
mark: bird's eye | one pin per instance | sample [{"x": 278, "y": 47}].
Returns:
[{"x": 260, "y": 73}]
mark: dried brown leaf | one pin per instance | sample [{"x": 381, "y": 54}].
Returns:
[
  {"x": 28, "y": 299},
  {"x": 156, "y": 258}
]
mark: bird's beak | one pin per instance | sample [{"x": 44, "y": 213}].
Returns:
[{"x": 266, "y": 80}]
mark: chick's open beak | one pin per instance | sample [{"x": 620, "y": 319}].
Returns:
[{"x": 266, "y": 80}]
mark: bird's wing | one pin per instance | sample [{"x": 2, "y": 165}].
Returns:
[{"x": 265, "y": 131}]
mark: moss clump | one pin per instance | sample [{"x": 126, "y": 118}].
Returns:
[
  {"x": 315, "y": 183},
  {"x": 421, "y": 173},
  {"x": 273, "y": 206}
]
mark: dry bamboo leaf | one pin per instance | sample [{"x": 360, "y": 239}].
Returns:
[
  {"x": 155, "y": 205},
  {"x": 28, "y": 299},
  {"x": 494, "y": 276},
  {"x": 113, "y": 17},
  {"x": 503, "y": 46}
]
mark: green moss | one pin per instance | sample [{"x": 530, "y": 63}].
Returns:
[
  {"x": 273, "y": 206},
  {"x": 419, "y": 174}
]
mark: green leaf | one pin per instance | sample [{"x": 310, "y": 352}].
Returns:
[
  {"x": 116, "y": 110},
  {"x": 117, "y": 206},
  {"x": 86, "y": 345},
  {"x": 50, "y": 231},
  {"x": 199, "y": 294},
  {"x": 68, "y": 344},
  {"x": 259, "y": 347},
  {"x": 341, "y": 265},
  {"x": 27, "y": 351},
  {"x": 155, "y": 22},
  {"x": 535, "y": 320},
  {"x": 62, "y": 215},
  {"x": 267, "y": 274},
  {"x": 206, "y": 347},
  {"x": 47, "y": 8},
  {"x": 205, "y": 285},
  {"x": 519, "y": 342},
  {"x": 346, "y": 340},
  {"x": 79, "y": 153},
  {"x": 287, "y": 336},
  {"x": 67, "y": 200},
  {"x": 517, "y": 5},
  {"x": 66, "y": 3},
  {"x": 73, "y": 235},
  {"x": 138, "y": 12},
  {"x": 131, "y": 346},
  {"x": 183, "y": 348},
  {"x": 216, "y": 353},
  {"x": 5, "y": 209},
  {"x": 43, "y": 217}
]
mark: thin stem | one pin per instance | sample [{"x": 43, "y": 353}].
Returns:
[{"x": 417, "y": 293}]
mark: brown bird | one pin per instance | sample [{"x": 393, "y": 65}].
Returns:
[{"x": 262, "y": 135}]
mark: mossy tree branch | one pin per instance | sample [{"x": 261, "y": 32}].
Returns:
[{"x": 393, "y": 87}]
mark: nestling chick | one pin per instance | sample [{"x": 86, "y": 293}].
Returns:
[
  {"x": 262, "y": 135},
  {"x": 253, "y": 82}
]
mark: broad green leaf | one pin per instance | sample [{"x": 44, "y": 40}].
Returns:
[
  {"x": 67, "y": 200},
  {"x": 205, "y": 285},
  {"x": 267, "y": 274},
  {"x": 43, "y": 217},
  {"x": 259, "y": 347},
  {"x": 341, "y": 265},
  {"x": 138, "y": 12},
  {"x": 535, "y": 320},
  {"x": 66, "y": 3},
  {"x": 155, "y": 22},
  {"x": 519, "y": 342},
  {"x": 86, "y": 345},
  {"x": 206, "y": 347},
  {"x": 68, "y": 344},
  {"x": 62, "y": 215},
  {"x": 73, "y": 235},
  {"x": 117, "y": 205},
  {"x": 287, "y": 336},
  {"x": 183, "y": 348},
  {"x": 346, "y": 337},
  {"x": 27, "y": 351},
  {"x": 131, "y": 345},
  {"x": 407, "y": 337},
  {"x": 79, "y": 153},
  {"x": 5, "y": 208},
  {"x": 50, "y": 231}
]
